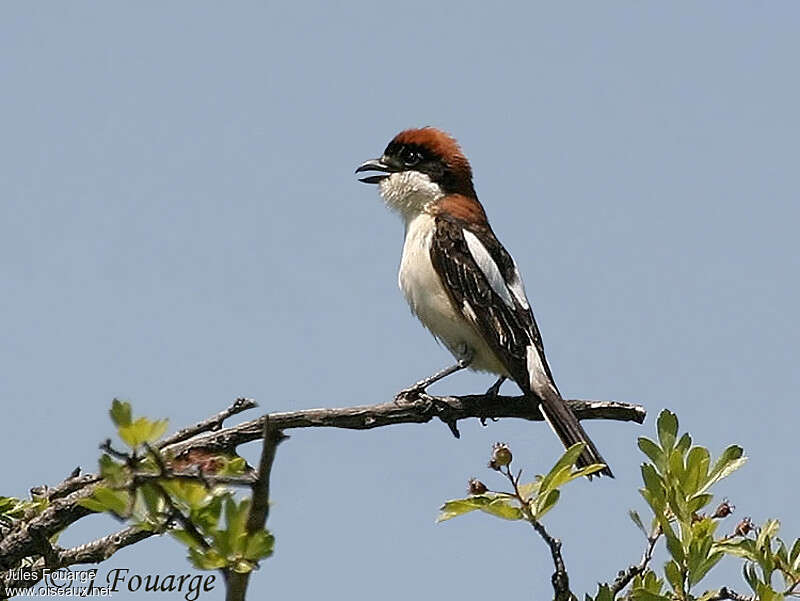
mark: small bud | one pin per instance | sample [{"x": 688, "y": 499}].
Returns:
[
  {"x": 501, "y": 455},
  {"x": 476, "y": 487},
  {"x": 744, "y": 527},
  {"x": 724, "y": 510}
]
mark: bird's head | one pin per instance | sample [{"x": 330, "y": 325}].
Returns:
[{"x": 418, "y": 169}]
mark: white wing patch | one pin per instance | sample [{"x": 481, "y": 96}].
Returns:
[
  {"x": 536, "y": 372},
  {"x": 489, "y": 268},
  {"x": 518, "y": 288}
]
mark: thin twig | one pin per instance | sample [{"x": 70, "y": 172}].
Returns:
[
  {"x": 211, "y": 424},
  {"x": 560, "y": 578},
  {"x": 626, "y": 576},
  {"x": 236, "y": 582}
]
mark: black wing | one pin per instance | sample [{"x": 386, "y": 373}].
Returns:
[{"x": 479, "y": 271}]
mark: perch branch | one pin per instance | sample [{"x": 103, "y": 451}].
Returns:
[
  {"x": 20, "y": 541},
  {"x": 449, "y": 409}
]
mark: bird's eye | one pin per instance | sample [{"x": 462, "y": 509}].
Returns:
[{"x": 411, "y": 157}]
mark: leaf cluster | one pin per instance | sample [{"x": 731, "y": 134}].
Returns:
[
  {"x": 141, "y": 486},
  {"x": 677, "y": 482}
]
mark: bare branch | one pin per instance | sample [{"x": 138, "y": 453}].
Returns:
[{"x": 63, "y": 510}]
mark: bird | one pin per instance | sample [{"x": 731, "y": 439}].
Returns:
[{"x": 461, "y": 282}]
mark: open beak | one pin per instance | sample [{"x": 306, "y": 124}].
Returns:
[{"x": 375, "y": 165}]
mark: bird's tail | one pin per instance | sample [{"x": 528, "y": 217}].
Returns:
[{"x": 557, "y": 413}]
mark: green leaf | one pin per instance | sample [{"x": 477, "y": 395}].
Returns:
[
  {"x": 546, "y": 503},
  {"x": 704, "y": 567},
  {"x": 697, "y": 502},
  {"x": 642, "y": 594},
  {"x": 794, "y": 555},
  {"x": 142, "y": 430},
  {"x": 236, "y": 517},
  {"x": 120, "y": 413},
  {"x": 457, "y": 507},
  {"x": 675, "y": 467},
  {"x": 259, "y": 545},
  {"x": 675, "y": 548},
  {"x": 678, "y": 506},
  {"x": 117, "y": 501},
  {"x": 499, "y": 502},
  {"x": 92, "y": 504},
  {"x": 502, "y": 508},
  {"x": 604, "y": 593},
  {"x": 653, "y": 452},
  {"x": 112, "y": 471},
  {"x": 653, "y": 484},
  {"x": 673, "y": 573},
  {"x": 586, "y": 471},
  {"x": 684, "y": 443},
  {"x": 745, "y": 548},
  {"x": 152, "y": 499},
  {"x": 750, "y": 576},
  {"x": 730, "y": 461},
  {"x": 697, "y": 462},
  {"x": 768, "y": 531},
  {"x": 206, "y": 515},
  {"x": 667, "y": 426},
  {"x": 650, "y": 581},
  {"x": 235, "y": 466},
  {"x": 559, "y": 474},
  {"x": 765, "y": 593}
]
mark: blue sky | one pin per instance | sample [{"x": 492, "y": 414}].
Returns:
[{"x": 180, "y": 225}]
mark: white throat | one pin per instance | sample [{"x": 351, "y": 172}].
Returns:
[{"x": 410, "y": 193}]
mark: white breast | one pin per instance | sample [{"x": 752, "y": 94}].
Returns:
[{"x": 430, "y": 302}]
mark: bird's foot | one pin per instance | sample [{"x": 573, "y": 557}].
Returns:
[
  {"x": 491, "y": 395},
  {"x": 410, "y": 394}
]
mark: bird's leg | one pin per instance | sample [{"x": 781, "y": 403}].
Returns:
[
  {"x": 494, "y": 389},
  {"x": 420, "y": 387}
]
